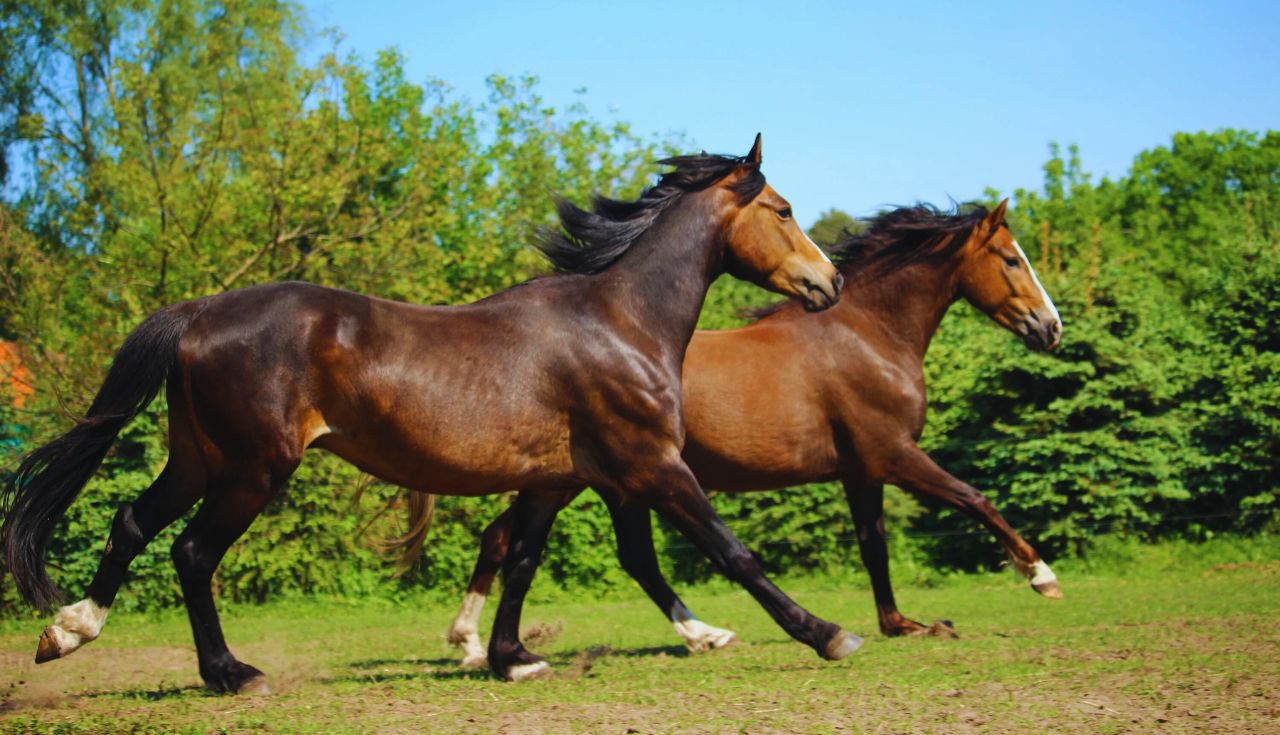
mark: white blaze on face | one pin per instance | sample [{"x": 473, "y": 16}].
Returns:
[
  {"x": 1043, "y": 294},
  {"x": 809, "y": 240}
]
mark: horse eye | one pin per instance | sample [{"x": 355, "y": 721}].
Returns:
[
  {"x": 1011, "y": 262},
  {"x": 785, "y": 213}
]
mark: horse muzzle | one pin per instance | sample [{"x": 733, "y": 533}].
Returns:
[
  {"x": 821, "y": 293},
  {"x": 1042, "y": 334}
]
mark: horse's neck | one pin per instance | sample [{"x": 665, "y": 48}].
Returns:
[
  {"x": 907, "y": 305},
  {"x": 662, "y": 279}
]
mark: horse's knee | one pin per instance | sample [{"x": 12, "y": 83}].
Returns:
[{"x": 126, "y": 539}]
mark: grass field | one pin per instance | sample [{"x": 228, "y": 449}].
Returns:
[{"x": 1170, "y": 643}]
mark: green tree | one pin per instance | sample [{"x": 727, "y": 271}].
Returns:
[
  {"x": 201, "y": 154},
  {"x": 832, "y": 226}
]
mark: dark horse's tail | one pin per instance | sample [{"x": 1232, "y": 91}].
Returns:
[{"x": 39, "y": 492}]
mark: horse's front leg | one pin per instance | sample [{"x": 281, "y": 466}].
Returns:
[
  {"x": 672, "y": 490},
  {"x": 866, "y": 505},
  {"x": 533, "y": 514},
  {"x": 632, "y": 527},
  {"x": 912, "y": 470},
  {"x": 464, "y": 632}
]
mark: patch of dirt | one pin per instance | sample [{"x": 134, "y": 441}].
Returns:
[
  {"x": 1268, "y": 568},
  {"x": 586, "y": 659},
  {"x": 541, "y": 634}
]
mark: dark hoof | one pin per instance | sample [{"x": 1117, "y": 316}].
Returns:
[
  {"x": 842, "y": 645},
  {"x": 257, "y": 686},
  {"x": 240, "y": 678},
  {"x": 940, "y": 629}
]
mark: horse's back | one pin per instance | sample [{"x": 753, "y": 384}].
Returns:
[{"x": 452, "y": 399}]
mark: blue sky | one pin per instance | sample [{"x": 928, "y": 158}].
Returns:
[{"x": 863, "y": 105}]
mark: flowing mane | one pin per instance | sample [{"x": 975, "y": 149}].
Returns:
[
  {"x": 590, "y": 241},
  {"x": 896, "y": 238}
]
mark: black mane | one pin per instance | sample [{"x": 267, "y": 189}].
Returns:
[
  {"x": 590, "y": 242},
  {"x": 896, "y": 238}
]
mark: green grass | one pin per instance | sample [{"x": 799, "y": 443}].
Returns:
[{"x": 1174, "y": 639}]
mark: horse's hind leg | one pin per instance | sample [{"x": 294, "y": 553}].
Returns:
[
  {"x": 229, "y": 508},
  {"x": 465, "y": 630},
  {"x": 634, "y": 531},
  {"x": 135, "y": 525}
]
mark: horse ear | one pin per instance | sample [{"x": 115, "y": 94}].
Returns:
[
  {"x": 992, "y": 221},
  {"x": 997, "y": 215},
  {"x": 753, "y": 156}
]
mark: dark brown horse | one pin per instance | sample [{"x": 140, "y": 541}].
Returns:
[
  {"x": 763, "y": 411},
  {"x": 563, "y": 381}
]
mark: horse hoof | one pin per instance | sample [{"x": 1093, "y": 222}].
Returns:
[
  {"x": 842, "y": 645},
  {"x": 474, "y": 662},
  {"x": 527, "y": 672},
  {"x": 1049, "y": 589},
  {"x": 700, "y": 637},
  {"x": 257, "y": 686},
  {"x": 941, "y": 629},
  {"x": 727, "y": 637},
  {"x": 56, "y": 643}
]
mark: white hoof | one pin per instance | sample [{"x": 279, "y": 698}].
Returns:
[
  {"x": 473, "y": 653},
  {"x": 524, "y": 672},
  {"x": 73, "y": 626},
  {"x": 700, "y": 637}
]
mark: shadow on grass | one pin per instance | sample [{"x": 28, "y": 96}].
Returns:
[
  {"x": 152, "y": 695},
  {"x": 378, "y": 670}
]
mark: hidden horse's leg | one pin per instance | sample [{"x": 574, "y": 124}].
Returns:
[
  {"x": 465, "y": 629},
  {"x": 914, "y": 471},
  {"x": 631, "y": 525},
  {"x": 135, "y": 525},
  {"x": 464, "y": 632}
]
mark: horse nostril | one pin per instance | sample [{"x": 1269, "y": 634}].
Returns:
[{"x": 837, "y": 283}]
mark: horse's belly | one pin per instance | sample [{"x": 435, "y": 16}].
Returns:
[
  {"x": 758, "y": 464},
  {"x": 453, "y": 459}
]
